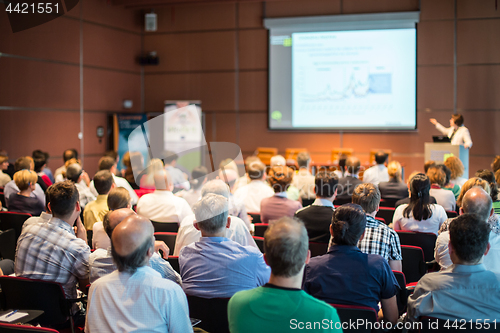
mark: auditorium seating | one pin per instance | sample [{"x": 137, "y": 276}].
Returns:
[
  {"x": 413, "y": 263},
  {"x": 260, "y": 229},
  {"x": 168, "y": 237},
  {"x": 353, "y": 313},
  {"x": 211, "y": 311},
  {"x": 13, "y": 328},
  {"x": 291, "y": 153},
  {"x": 318, "y": 249},
  {"x": 255, "y": 217},
  {"x": 265, "y": 154},
  {"x": 260, "y": 242},
  {"x": 13, "y": 220},
  {"x": 426, "y": 241},
  {"x": 386, "y": 213},
  {"x": 8, "y": 244},
  {"x": 165, "y": 226},
  {"x": 174, "y": 262},
  {"x": 402, "y": 295}
]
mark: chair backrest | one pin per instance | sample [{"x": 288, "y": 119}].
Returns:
[
  {"x": 337, "y": 152},
  {"x": 390, "y": 203},
  {"x": 353, "y": 313},
  {"x": 260, "y": 229},
  {"x": 413, "y": 263},
  {"x": 451, "y": 214},
  {"x": 255, "y": 217},
  {"x": 212, "y": 313},
  {"x": 265, "y": 154},
  {"x": 13, "y": 220},
  {"x": 2, "y": 199},
  {"x": 433, "y": 325},
  {"x": 260, "y": 242},
  {"x": 307, "y": 202},
  {"x": 8, "y": 244},
  {"x": 318, "y": 249},
  {"x": 402, "y": 296},
  {"x": 168, "y": 237},
  {"x": 174, "y": 262},
  {"x": 165, "y": 226},
  {"x": 12, "y": 328},
  {"x": 424, "y": 240},
  {"x": 22, "y": 293},
  {"x": 291, "y": 153},
  {"x": 387, "y": 213},
  {"x": 381, "y": 220}
]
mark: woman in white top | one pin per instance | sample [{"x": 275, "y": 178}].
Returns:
[
  {"x": 457, "y": 132},
  {"x": 419, "y": 215}
]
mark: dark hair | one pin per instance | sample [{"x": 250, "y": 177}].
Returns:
[
  {"x": 458, "y": 119},
  {"x": 62, "y": 197},
  {"x": 427, "y": 165},
  {"x": 106, "y": 163},
  {"x": 381, "y": 157},
  {"x": 40, "y": 161},
  {"x": 303, "y": 159},
  {"x": 23, "y": 163},
  {"x": 118, "y": 198},
  {"x": 447, "y": 173},
  {"x": 469, "y": 236},
  {"x": 111, "y": 153},
  {"x": 367, "y": 196},
  {"x": 325, "y": 184},
  {"x": 487, "y": 175},
  {"x": 348, "y": 224},
  {"x": 103, "y": 180},
  {"x": 286, "y": 244},
  {"x": 419, "y": 198},
  {"x": 69, "y": 154},
  {"x": 353, "y": 165},
  {"x": 106, "y": 225},
  {"x": 198, "y": 176},
  {"x": 130, "y": 263},
  {"x": 170, "y": 156},
  {"x": 342, "y": 160}
]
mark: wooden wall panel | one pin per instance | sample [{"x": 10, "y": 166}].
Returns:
[
  {"x": 250, "y": 14},
  {"x": 202, "y": 51},
  {"x": 252, "y": 49},
  {"x": 104, "y": 13},
  {"x": 435, "y": 43},
  {"x": 478, "y": 35},
  {"x": 478, "y": 87},
  {"x": 477, "y": 9},
  {"x": 91, "y": 164},
  {"x": 302, "y": 8},
  {"x": 435, "y": 87},
  {"x": 226, "y": 129},
  {"x": 91, "y": 121},
  {"x": 483, "y": 127},
  {"x": 253, "y": 91},
  {"x": 437, "y": 10},
  {"x": 368, "y": 6}
]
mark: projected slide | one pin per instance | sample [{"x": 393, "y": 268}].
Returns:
[{"x": 353, "y": 79}]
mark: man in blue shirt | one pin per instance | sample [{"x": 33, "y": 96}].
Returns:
[{"x": 215, "y": 266}]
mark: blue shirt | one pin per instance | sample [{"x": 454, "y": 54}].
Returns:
[
  {"x": 347, "y": 276},
  {"x": 217, "y": 267}
]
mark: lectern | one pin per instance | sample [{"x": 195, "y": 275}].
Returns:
[{"x": 437, "y": 151}]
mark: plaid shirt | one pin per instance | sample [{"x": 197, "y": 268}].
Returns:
[
  {"x": 380, "y": 239},
  {"x": 51, "y": 251}
]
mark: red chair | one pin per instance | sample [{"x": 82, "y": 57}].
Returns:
[
  {"x": 11, "y": 328},
  {"x": 2, "y": 199},
  {"x": 413, "y": 263},
  {"x": 381, "y": 220},
  {"x": 451, "y": 214},
  {"x": 387, "y": 213},
  {"x": 260, "y": 242},
  {"x": 211, "y": 311},
  {"x": 165, "y": 226},
  {"x": 353, "y": 313},
  {"x": 8, "y": 244},
  {"x": 255, "y": 217},
  {"x": 168, "y": 237},
  {"x": 402, "y": 296},
  {"x": 424, "y": 240},
  {"x": 318, "y": 249},
  {"x": 260, "y": 229},
  {"x": 13, "y": 220}
]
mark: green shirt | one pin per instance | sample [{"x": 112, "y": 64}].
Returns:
[
  {"x": 496, "y": 207},
  {"x": 273, "y": 309}
]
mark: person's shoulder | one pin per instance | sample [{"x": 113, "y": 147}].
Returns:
[{"x": 98, "y": 253}]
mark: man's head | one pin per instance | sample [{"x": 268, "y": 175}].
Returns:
[
  {"x": 229, "y": 176},
  {"x": 69, "y": 154},
  {"x": 286, "y": 247},
  {"x": 353, "y": 164},
  {"x": 256, "y": 170},
  {"x": 40, "y": 159},
  {"x": 215, "y": 186},
  {"x": 303, "y": 159},
  {"x": 25, "y": 162},
  {"x": 132, "y": 243},
  {"x": 325, "y": 184},
  {"x": 367, "y": 196},
  {"x": 472, "y": 182},
  {"x": 103, "y": 181},
  {"x": 211, "y": 214},
  {"x": 394, "y": 170},
  {"x": 112, "y": 218},
  {"x": 25, "y": 178},
  {"x": 477, "y": 201},
  {"x": 381, "y": 157},
  {"x": 118, "y": 198},
  {"x": 348, "y": 224},
  {"x": 277, "y": 160},
  {"x": 469, "y": 236},
  {"x": 107, "y": 163},
  {"x": 63, "y": 200},
  {"x": 251, "y": 159},
  {"x": 163, "y": 180},
  {"x": 73, "y": 172},
  {"x": 170, "y": 158}
]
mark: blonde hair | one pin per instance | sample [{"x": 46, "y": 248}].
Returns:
[
  {"x": 25, "y": 178},
  {"x": 394, "y": 170},
  {"x": 474, "y": 181},
  {"x": 455, "y": 165}
]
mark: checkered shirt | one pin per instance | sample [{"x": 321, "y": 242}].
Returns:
[
  {"x": 50, "y": 251},
  {"x": 380, "y": 239}
]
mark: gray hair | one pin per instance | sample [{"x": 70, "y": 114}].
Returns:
[
  {"x": 211, "y": 212},
  {"x": 215, "y": 186},
  {"x": 278, "y": 160},
  {"x": 73, "y": 172}
]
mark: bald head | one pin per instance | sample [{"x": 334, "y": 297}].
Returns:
[
  {"x": 477, "y": 201},
  {"x": 352, "y": 164},
  {"x": 132, "y": 243},
  {"x": 111, "y": 219}
]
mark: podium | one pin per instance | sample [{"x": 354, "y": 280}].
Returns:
[{"x": 437, "y": 151}]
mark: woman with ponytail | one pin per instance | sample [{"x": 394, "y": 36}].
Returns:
[{"x": 419, "y": 215}]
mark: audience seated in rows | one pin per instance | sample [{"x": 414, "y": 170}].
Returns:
[
  {"x": 162, "y": 205},
  {"x": 490, "y": 178},
  {"x": 4, "y": 164},
  {"x": 394, "y": 189},
  {"x": 281, "y": 302},
  {"x": 237, "y": 231},
  {"x": 245, "y": 179},
  {"x": 109, "y": 164},
  {"x": 419, "y": 215},
  {"x": 318, "y": 216},
  {"x": 24, "y": 163},
  {"x": 236, "y": 205},
  {"x": 179, "y": 178},
  {"x": 198, "y": 179},
  {"x": 118, "y": 197},
  {"x": 444, "y": 198},
  {"x": 466, "y": 290},
  {"x": 101, "y": 260},
  {"x": 40, "y": 159},
  {"x": 77, "y": 175},
  {"x": 256, "y": 190},
  {"x": 347, "y": 276},
  {"x": 378, "y": 237},
  {"x": 95, "y": 210},
  {"x": 215, "y": 266},
  {"x": 22, "y": 202},
  {"x": 377, "y": 173},
  {"x": 303, "y": 180},
  {"x": 407, "y": 200},
  {"x": 278, "y": 206},
  {"x": 348, "y": 183},
  {"x": 59, "y": 174},
  {"x": 454, "y": 188},
  {"x": 135, "y": 297},
  {"x": 457, "y": 170},
  {"x": 133, "y": 162}
]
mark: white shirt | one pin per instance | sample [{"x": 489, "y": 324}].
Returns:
[
  {"x": 461, "y": 137},
  {"x": 188, "y": 234},
  {"x": 100, "y": 239},
  {"x": 253, "y": 193},
  {"x": 4, "y": 179},
  {"x": 120, "y": 182},
  {"x": 163, "y": 206},
  {"x": 376, "y": 174},
  {"x": 444, "y": 198},
  {"x": 141, "y": 302},
  {"x": 304, "y": 181},
  {"x": 432, "y": 224},
  {"x": 85, "y": 193},
  {"x": 192, "y": 196}
]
